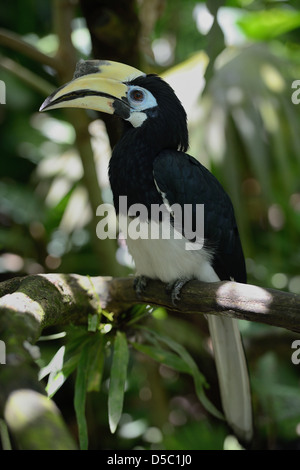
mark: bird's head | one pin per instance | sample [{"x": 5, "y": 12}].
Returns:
[{"x": 114, "y": 88}]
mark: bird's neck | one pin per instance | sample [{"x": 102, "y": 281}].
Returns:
[{"x": 131, "y": 168}]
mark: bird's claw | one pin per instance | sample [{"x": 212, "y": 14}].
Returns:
[
  {"x": 140, "y": 284},
  {"x": 174, "y": 289}
]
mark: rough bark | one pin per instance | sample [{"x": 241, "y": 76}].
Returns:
[{"x": 57, "y": 299}]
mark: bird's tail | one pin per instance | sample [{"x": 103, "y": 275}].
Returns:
[{"x": 233, "y": 375}]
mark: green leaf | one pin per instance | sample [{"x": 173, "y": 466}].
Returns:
[
  {"x": 56, "y": 371},
  {"x": 268, "y": 24},
  {"x": 86, "y": 352},
  {"x": 159, "y": 313},
  {"x": 136, "y": 313},
  {"x": 163, "y": 356},
  {"x": 80, "y": 397},
  {"x": 95, "y": 363},
  {"x": 88, "y": 378},
  {"x": 117, "y": 380},
  {"x": 100, "y": 311},
  {"x": 93, "y": 322},
  {"x": 76, "y": 337},
  {"x": 65, "y": 360},
  {"x": 192, "y": 368}
]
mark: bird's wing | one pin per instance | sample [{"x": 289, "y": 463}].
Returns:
[{"x": 183, "y": 180}]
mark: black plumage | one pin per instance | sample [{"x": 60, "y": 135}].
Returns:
[
  {"x": 131, "y": 164},
  {"x": 152, "y": 157},
  {"x": 185, "y": 181}
]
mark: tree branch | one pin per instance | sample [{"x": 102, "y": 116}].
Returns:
[
  {"x": 241, "y": 301},
  {"x": 15, "y": 42},
  {"x": 28, "y": 77},
  {"x": 36, "y": 422},
  {"x": 58, "y": 299}
]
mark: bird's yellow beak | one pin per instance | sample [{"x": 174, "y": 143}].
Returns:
[{"x": 97, "y": 84}]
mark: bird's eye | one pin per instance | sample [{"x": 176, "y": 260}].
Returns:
[
  {"x": 137, "y": 95},
  {"x": 140, "y": 100}
]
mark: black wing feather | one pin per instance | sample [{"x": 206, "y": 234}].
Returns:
[{"x": 184, "y": 180}]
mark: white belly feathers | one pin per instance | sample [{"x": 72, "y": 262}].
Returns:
[{"x": 166, "y": 258}]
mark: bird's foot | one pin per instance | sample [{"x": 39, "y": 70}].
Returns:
[
  {"x": 174, "y": 288},
  {"x": 140, "y": 284}
]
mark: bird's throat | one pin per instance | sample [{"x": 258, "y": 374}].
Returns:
[{"x": 131, "y": 170}]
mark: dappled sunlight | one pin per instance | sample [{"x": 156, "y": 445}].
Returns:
[
  {"x": 228, "y": 18},
  {"x": 182, "y": 80},
  {"x": 81, "y": 37},
  {"x": 78, "y": 212},
  {"x": 269, "y": 115},
  {"x": 20, "y": 302},
  {"x": 130, "y": 429},
  {"x": 65, "y": 164},
  {"x": 26, "y": 406},
  {"x": 47, "y": 44},
  {"x": 58, "y": 244},
  {"x": 52, "y": 262},
  {"x": 58, "y": 189},
  {"x": 36, "y": 421},
  {"x": 276, "y": 217},
  {"x": 230, "y": 294},
  {"x": 204, "y": 19},
  {"x": 294, "y": 285},
  {"x": 10, "y": 262},
  {"x": 272, "y": 78},
  {"x": 215, "y": 137},
  {"x": 102, "y": 153},
  {"x": 279, "y": 280},
  {"x": 54, "y": 129},
  {"x": 244, "y": 123},
  {"x": 163, "y": 50},
  {"x": 235, "y": 96}
]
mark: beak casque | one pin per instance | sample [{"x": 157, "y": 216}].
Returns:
[{"x": 97, "y": 84}]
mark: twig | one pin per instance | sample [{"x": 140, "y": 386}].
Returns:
[
  {"x": 33, "y": 80},
  {"x": 15, "y": 42}
]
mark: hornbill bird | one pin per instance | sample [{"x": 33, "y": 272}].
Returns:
[{"x": 150, "y": 167}]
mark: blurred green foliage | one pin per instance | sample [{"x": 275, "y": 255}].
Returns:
[{"x": 243, "y": 126}]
